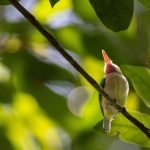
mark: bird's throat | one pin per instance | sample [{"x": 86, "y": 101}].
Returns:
[{"x": 109, "y": 68}]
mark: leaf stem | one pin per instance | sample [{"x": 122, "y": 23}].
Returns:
[{"x": 54, "y": 42}]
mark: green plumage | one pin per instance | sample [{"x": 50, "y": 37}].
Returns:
[
  {"x": 116, "y": 86},
  {"x": 102, "y": 84}
]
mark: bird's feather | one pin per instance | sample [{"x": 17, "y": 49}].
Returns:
[{"x": 102, "y": 84}]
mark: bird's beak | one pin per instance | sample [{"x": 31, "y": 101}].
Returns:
[{"x": 106, "y": 58}]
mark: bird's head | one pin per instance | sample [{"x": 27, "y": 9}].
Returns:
[{"x": 110, "y": 67}]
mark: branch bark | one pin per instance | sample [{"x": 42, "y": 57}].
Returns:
[{"x": 54, "y": 42}]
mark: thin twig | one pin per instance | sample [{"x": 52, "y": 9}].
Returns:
[{"x": 54, "y": 42}]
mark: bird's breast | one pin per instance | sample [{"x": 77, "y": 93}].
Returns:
[{"x": 116, "y": 86}]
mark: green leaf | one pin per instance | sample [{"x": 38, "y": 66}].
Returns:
[
  {"x": 115, "y": 14},
  {"x": 140, "y": 77},
  {"x": 129, "y": 132},
  {"x": 4, "y": 2},
  {"x": 146, "y": 3},
  {"x": 53, "y": 2}
]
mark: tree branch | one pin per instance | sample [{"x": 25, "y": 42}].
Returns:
[{"x": 54, "y": 42}]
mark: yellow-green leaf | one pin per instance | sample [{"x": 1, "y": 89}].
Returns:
[
  {"x": 127, "y": 131},
  {"x": 140, "y": 78}
]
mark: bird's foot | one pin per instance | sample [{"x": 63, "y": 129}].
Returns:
[{"x": 113, "y": 102}]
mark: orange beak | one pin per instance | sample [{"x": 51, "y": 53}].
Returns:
[{"x": 106, "y": 58}]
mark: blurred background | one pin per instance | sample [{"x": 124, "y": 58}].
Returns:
[{"x": 45, "y": 104}]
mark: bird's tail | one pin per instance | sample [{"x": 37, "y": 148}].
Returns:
[{"x": 107, "y": 125}]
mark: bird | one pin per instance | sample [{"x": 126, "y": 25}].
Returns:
[{"x": 116, "y": 86}]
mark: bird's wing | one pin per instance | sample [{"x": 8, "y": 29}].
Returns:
[{"x": 102, "y": 84}]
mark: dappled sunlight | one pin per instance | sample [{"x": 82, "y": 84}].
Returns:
[
  {"x": 27, "y": 125},
  {"x": 62, "y": 5},
  {"x": 132, "y": 102},
  {"x": 13, "y": 44},
  {"x": 83, "y": 103},
  {"x": 12, "y": 15},
  {"x": 51, "y": 56},
  {"x": 77, "y": 98},
  {"x": 94, "y": 67},
  {"x": 45, "y": 103},
  {"x": 76, "y": 43},
  {"x": 64, "y": 19},
  {"x": 92, "y": 113},
  {"x": 5, "y": 73},
  {"x": 25, "y": 104},
  {"x": 63, "y": 88},
  {"x": 37, "y": 41},
  {"x": 42, "y": 10},
  {"x": 49, "y": 12}
]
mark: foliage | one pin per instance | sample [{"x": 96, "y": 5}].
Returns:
[
  {"x": 146, "y": 3},
  {"x": 139, "y": 81},
  {"x": 44, "y": 103},
  {"x": 127, "y": 131},
  {"x": 53, "y": 2},
  {"x": 116, "y": 15},
  {"x": 4, "y": 2}
]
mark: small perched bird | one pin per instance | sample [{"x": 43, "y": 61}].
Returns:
[{"x": 116, "y": 86}]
